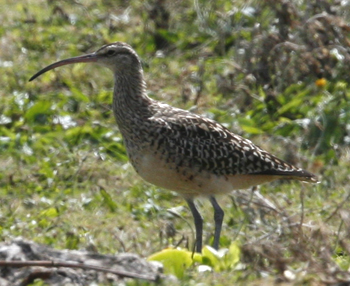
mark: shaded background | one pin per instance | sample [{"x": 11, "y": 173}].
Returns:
[{"x": 276, "y": 72}]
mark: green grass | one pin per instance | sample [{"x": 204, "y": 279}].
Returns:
[{"x": 65, "y": 179}]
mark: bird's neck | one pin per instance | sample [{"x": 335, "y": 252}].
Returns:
[{"x": 131, "y": 105}]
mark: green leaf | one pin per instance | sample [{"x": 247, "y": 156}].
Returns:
[
  {"x": 38, "y": 112},
  {"x": 175, "y": 261},
  {"x": 248, "y": 126},
  {"x": 210, "y": 257},
  {"x": 76, "y": 92},
  {"x": 223, "y": 259},
  {"x": 72, "y": 240},
  {"x": 296, "y": 103},
  {"x": 233, "y": 256},
  {"x": 108, "y": 201},
  {"x": 51, "y": 212}
]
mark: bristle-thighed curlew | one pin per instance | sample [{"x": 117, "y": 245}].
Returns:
[{"x": 178, "y": 150}]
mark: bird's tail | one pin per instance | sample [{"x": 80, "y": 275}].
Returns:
[{"x": 297, "y": 174}]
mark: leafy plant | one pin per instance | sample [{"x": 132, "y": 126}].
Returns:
[{"x": 177, "y": 261}]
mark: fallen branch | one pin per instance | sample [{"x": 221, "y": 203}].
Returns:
[{"x": 51, "y": 263}]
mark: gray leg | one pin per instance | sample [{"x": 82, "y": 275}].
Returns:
[
  {"x": 198, "y": 222},
  {"x": 218, "y": 219}
]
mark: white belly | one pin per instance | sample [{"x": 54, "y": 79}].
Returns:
[{"x": 190, "y": 183}]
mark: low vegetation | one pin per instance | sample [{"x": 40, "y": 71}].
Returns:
[{"x": 276, "y": 72}]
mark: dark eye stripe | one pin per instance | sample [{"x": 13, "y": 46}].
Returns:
[{"x": 112, "y": 53}]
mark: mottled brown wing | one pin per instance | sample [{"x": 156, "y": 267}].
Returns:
[{"x": 207, "y": 145}]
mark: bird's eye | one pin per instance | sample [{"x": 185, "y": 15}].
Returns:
[{"x": 110, "y": 53}]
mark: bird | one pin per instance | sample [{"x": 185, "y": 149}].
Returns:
[{"x": 178, "y": 150}]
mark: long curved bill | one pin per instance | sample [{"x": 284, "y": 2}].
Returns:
[{"x": 81, "y": 59}]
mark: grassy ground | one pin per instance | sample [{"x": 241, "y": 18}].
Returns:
[{"x": 65, "y": 179}]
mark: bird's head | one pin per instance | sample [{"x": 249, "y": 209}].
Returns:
[{"x": 118, "y": 56}]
